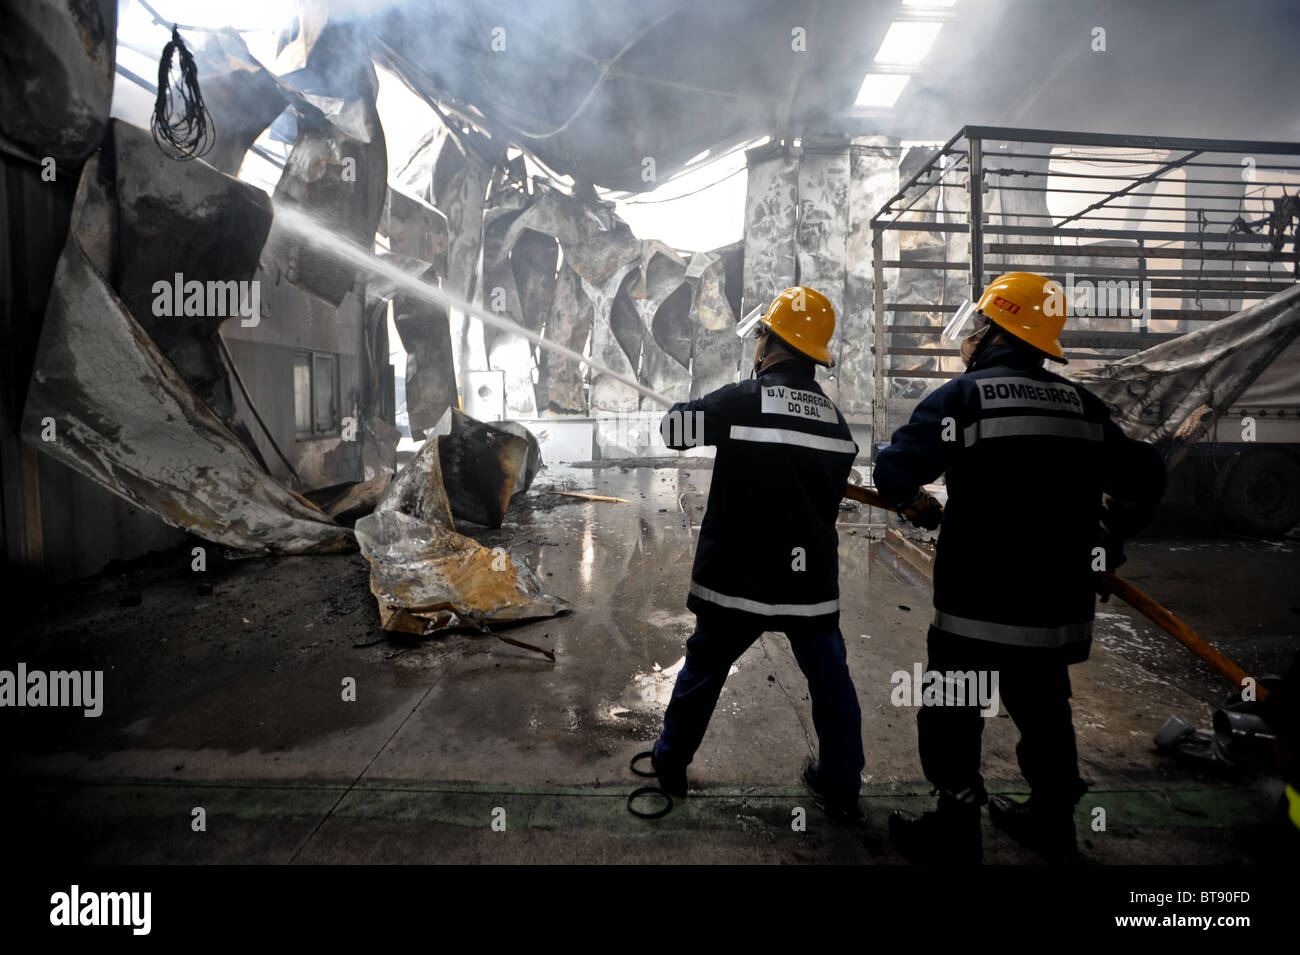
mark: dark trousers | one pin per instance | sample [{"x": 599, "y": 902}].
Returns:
[
  {"x": 837, "y": 717},
  {"x": 1034, "y": 686}
]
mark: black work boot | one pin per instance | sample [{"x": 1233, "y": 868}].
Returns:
[
  {"x": 948, "y": 835},
  {"x": 672, "y": 775},
  {"x": 1046, "y": 828},
  {"x": 841, "y": 810}
]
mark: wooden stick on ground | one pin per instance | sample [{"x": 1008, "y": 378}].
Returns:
[
  {"x": 1179, "y": 631},
  {"x": 591, "y": 497}
]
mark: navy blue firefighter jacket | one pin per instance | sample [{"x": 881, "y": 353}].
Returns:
[
  {"x": 768, "y": 549},
  {"x": 1026, "y": 456}
]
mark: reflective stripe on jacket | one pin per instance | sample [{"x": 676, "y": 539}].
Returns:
[
  {"x": 1027, "y": 455},
  {"x": 768, "y": 549}
]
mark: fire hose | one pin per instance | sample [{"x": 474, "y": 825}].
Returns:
[{"x": 1136, "y": 599}]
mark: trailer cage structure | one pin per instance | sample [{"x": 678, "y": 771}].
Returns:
[{"x": 1148, "y": 236}]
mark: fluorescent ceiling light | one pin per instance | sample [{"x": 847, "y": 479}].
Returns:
[
  {"x": 881, "y": 90},
  {"x": 907, "y": 42},
  {"x": 928, "y": 3}
]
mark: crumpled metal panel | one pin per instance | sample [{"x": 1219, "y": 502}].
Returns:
[
  {"x": 663, "y": 300},
  {"x": 823, "y": 229},
  {"x": 1153, "y": 392},
  {"x": 242, "y": 97},
  {"x": 459, "y": 185},
  {"x": 560, "y": 386},
  {"x": 338, "y": 168},
  {"x": 426, "y": 576},
  {"x": 616, "y": 344},
  {"x": 651, "y": 314},
  {"x": 191, "y": 219},
  {"x": 379, "y": 441},
  {"x": 416, "y": 229},
  {"x": 425, "y": 333},
  {"x": 500, "y": 294},
  {"x": 873, "y": 178},
  {"x": 716, "y": 352},
  {"x": 771, "y": 213},
  {"x": 532, "y": 458},
  {"x": 481, "y": 467},
  {"x": 593, "y": 249},
  {"x": 56, "y": 75},
  {"x": 127, "y": 421}
]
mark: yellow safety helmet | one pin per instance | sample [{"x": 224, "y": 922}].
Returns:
[
  {"x": 1029, "y": 306},
  {"x": 804, "y": 319}
]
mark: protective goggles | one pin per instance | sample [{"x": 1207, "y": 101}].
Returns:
[
  {"x": 966, "y": 320},
  {"x": 750, "y": 321}
]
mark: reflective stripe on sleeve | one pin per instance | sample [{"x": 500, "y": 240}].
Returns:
[
  {"x": 1037, "y": 425},
  {"x": 797, "y": 438},
  {"x": 1012, "y": 633},
  {"x": 769, "y": 610}
]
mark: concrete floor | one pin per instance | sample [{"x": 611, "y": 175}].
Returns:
[{"x": 231, "y": 701}]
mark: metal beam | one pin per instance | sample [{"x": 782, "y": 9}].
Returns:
[
  {"x": 1064, "y": 138},
  {"x": 1149, "y": 177},
  {"x": 975, "y": 216},
  {"x": 880, "y": 349},
  {"x": 930, "y": 164},
  {"x": 1129, "y": 252},
  {"x": 1077, "y": 233}
]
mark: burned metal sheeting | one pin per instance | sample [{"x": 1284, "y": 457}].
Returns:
[
  {"x": 337, "y": 171},
  {"x": 426, "y": 576},
  {"x": 106, "y": 402},
  {"x": 1152, "y": 393},
  {"x": 195, "y": 233},
  {"x": 56, "y": 76},
  {"x": 481, "y": 467},
  {"x": 670, "y": 319}
]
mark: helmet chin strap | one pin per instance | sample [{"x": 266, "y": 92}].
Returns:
[
  {"x": 762, "y": 356},
  {"x": 982, "y": 345}
]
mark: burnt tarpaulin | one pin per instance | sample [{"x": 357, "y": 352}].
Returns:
[
  {"x": 1151, "y": 394},
  {"x": 426, "y": 576},
  {"x": 105, "y": 401}
]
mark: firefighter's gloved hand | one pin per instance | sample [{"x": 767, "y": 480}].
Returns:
[{"x": 924, "y": 510}]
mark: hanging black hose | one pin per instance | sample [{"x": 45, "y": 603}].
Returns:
[{"x": 181, "y": 125}]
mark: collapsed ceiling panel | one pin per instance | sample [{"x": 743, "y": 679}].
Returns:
[
  {"x": 56, "y": 75},
  {"x": 105, "y": 401},
  {"x": 185, "y": 223}
]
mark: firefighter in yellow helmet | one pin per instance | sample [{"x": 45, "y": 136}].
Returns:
[
  {"x": 1042, "y": 489},
  {"x": 801, "y": 319},
  {"x": 767, "y": 556}
]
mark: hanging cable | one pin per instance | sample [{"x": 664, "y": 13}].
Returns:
[{"x": 181, "y": 125}]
